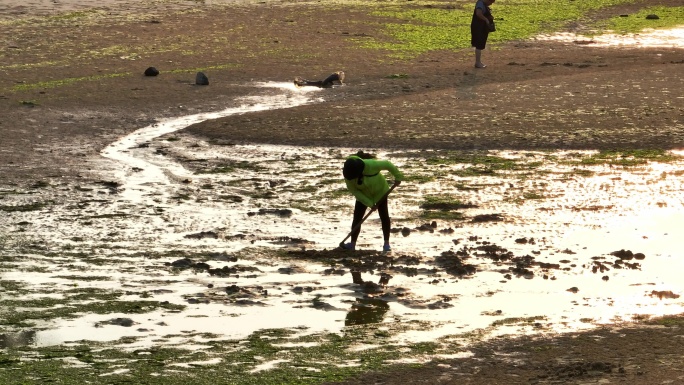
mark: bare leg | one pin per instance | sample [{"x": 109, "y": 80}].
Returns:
[
  {"x": 386, "y": 223},
  {"x": 478, "y": 59},
  {"x": 359, "y": 212}
]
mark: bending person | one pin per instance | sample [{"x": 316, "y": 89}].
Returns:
[{"x": 370, "y": 188}]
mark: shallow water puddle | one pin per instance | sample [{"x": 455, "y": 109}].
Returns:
[
  {"x": 245, "y": 238},
  {"x": 650, "y": 38}
]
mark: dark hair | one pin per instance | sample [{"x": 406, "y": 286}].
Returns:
[
  {"x": 364, "y": 155},
  {"x": 353, "y": 168}
]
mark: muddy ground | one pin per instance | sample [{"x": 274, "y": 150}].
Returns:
[{"x": 72, "y": 85}]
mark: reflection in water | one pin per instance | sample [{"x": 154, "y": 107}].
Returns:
[
  {"x": 668, "y": 38},
  {"x": 366, "y": 311}
]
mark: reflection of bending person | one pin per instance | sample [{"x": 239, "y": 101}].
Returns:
[
  {"x": 366, "y": 311},
  {"x": 337, "y": 77}
]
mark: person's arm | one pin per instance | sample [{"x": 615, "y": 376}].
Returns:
[
  {"x": 480, "y": 15},
  {"x": 389, "y": 166}
]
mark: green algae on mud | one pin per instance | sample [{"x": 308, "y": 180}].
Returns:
[
  {"x": 270, "y": 356},
  {"x": 668, "y": 17},
  {"x": 25, "y": 313},
  {"x": 440, "y": 27},
  {"x": 629, "y": 158},
  {"x": 443, "y": 207},
  {"x": 411, "y": 30},
  {"x": 667, "y": 321},
  {"x": 65, "y": 82}
]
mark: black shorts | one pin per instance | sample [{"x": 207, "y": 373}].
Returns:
[{"x": 478, "y": 35}]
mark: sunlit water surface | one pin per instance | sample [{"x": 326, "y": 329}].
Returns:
[{"x": 650, "y": 38}]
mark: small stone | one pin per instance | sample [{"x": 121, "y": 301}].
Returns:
[
  {"x": 151, "y": 71},
  {"x": 201, "y": 79}
]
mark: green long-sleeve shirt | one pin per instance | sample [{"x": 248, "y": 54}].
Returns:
[{"x": 373, "y": 184}]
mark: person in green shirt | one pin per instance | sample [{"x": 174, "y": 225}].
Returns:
[{"x": 364, "y": 180}]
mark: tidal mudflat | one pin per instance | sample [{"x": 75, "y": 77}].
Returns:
[{"x": 226, "y": 254}]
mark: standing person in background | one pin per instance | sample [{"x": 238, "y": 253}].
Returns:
[
  {"x": 364, "y": 180},
  {"x": 480, "y": 28}
]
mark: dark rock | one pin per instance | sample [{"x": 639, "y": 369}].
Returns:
[
  {"x": 284, "y": 213},
  {"x": 487, "y": 218},
  {"x": 545, "y": 265},
  {"x": 291, "y": 270},
  {"x": 300, "y": 290},
  {"x": 151, "y": 71},
  {"x": 522, "y": 272},
  {"x": 201, "y": 79},
  {"x": 223, "y": 256},
  {"x": 652, "y": 17},
  {"x": 426, "y": 227},
  {"x": 495, "y": 252},
  {"x": 623, "y": 254},
  {"x": 227, "y": 271},
  {"x": 195, "y": 301},
  {"x": 202, "y": 266},
  {"x": 125, "y": 322},
  {"x": 454, "y": 265},
  {"x": 203, "y": 234},
  {"x": 372, "y": 287},
  {"x": 249, "y": 302},
  {"x": 333, "y": 271},
  {"x": 182, "y": 263},
  {"x": 439, "y": 305},
  {"x": 317, "y": 303},
  {"x": 664, "y": 294}
]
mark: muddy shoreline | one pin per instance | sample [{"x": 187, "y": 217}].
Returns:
[{"x": 537, "y": 95}]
